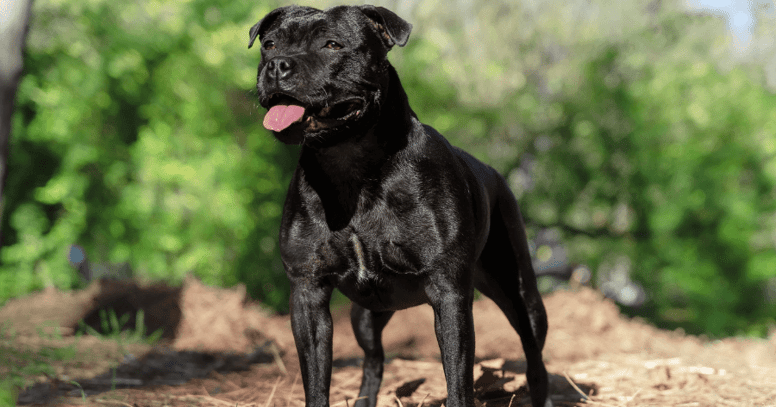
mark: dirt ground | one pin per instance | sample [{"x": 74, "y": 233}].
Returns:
[{"x": 220, "y": 350}]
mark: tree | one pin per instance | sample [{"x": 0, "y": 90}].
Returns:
[
  {"x": 630, "y": 130},
  {"x": 13, "y": 31},
  {"x": 625, "y": 128},
  {"x": 139, "y": 140}
]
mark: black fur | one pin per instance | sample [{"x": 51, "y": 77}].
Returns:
[{"x": 383, "y": 208}]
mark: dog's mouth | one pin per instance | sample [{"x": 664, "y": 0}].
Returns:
[{"x": 285, "y": 111}]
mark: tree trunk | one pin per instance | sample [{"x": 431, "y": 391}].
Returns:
[{"x": 13, "y": 31}]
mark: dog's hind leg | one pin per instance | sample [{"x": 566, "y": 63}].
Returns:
[
  {"x": 507, "y": 277},
  {"x": 368, "y": 328}
]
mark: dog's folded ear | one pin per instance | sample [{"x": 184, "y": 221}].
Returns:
[
  {"x": 394, "y": 29},
  {"x": 263, "y": 25}
]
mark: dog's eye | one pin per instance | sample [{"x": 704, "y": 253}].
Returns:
[
  {"x": 333, "y": 45},
  {"x": 269, "y": 44}
]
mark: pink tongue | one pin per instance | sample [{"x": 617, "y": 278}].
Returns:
[{"x": 279, "y": 117}]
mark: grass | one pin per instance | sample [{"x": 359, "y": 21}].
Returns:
[
  {"x": 83, "y": 394},
  {"x": 18, "y": 364},
  {"x": 21, "y": 366},
  {"x": 7, "y": 394},
  {"x": 112, "y": 327}
]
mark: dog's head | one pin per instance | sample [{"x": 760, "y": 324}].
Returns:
[{"x": 322, "y": 72}]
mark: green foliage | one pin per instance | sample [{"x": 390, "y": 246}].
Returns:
[
  {"x": 136, "y": 136},
  {"x": 625, "y": 126},
  {"x": 7, "y": 395},
  {"x": 668, "y": 165},
  {"x": 638, "y": 139}
]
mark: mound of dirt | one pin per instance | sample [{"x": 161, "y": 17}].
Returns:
[{"x": 220, "y": 349}]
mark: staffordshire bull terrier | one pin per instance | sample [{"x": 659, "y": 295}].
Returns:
[{"x": 382, "y": 207}]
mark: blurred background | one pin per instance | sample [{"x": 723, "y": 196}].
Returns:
[{"x": 638, "y": 136}]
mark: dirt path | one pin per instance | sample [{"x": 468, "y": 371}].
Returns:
[{"x": 220, "y": 351}]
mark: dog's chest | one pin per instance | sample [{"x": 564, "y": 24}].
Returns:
[
  {"x": 369, "y": 264},
  {"x": 376, "y": 245},
  {"x": 381, "y": 273},
  {"x": 372, "y": 259}
]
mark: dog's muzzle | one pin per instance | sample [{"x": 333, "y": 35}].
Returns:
[{"x": 285, "y": 111}]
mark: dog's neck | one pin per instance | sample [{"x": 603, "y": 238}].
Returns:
[{"x": 340, "y": 174}]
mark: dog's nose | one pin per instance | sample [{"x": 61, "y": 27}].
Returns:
[{"x": 280, "y": 68}]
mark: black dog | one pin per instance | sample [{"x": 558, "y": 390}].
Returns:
[{"x": 382, "y": 207}]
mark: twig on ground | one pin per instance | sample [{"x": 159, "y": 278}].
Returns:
[
  {"x": 272, "y": 394},
  {"x": 345, "y": 402},
  {"x": 424, "y": 400},
  {"x": 200, "y": 398},
  {"x": 574, "y": 385},
  {"x": 291, "y": 391},
  {"x": 278, "y": 360},
  {"x": 106, "y": 401}
]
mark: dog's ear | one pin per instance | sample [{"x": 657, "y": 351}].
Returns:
[
  {"x": 263, "y": 24},
  {"x": 394, "y": 29}
]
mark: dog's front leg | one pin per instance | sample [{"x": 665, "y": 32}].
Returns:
[
  {"x": 312, "y": 327},
  {"x": 454, "y": 328}
]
